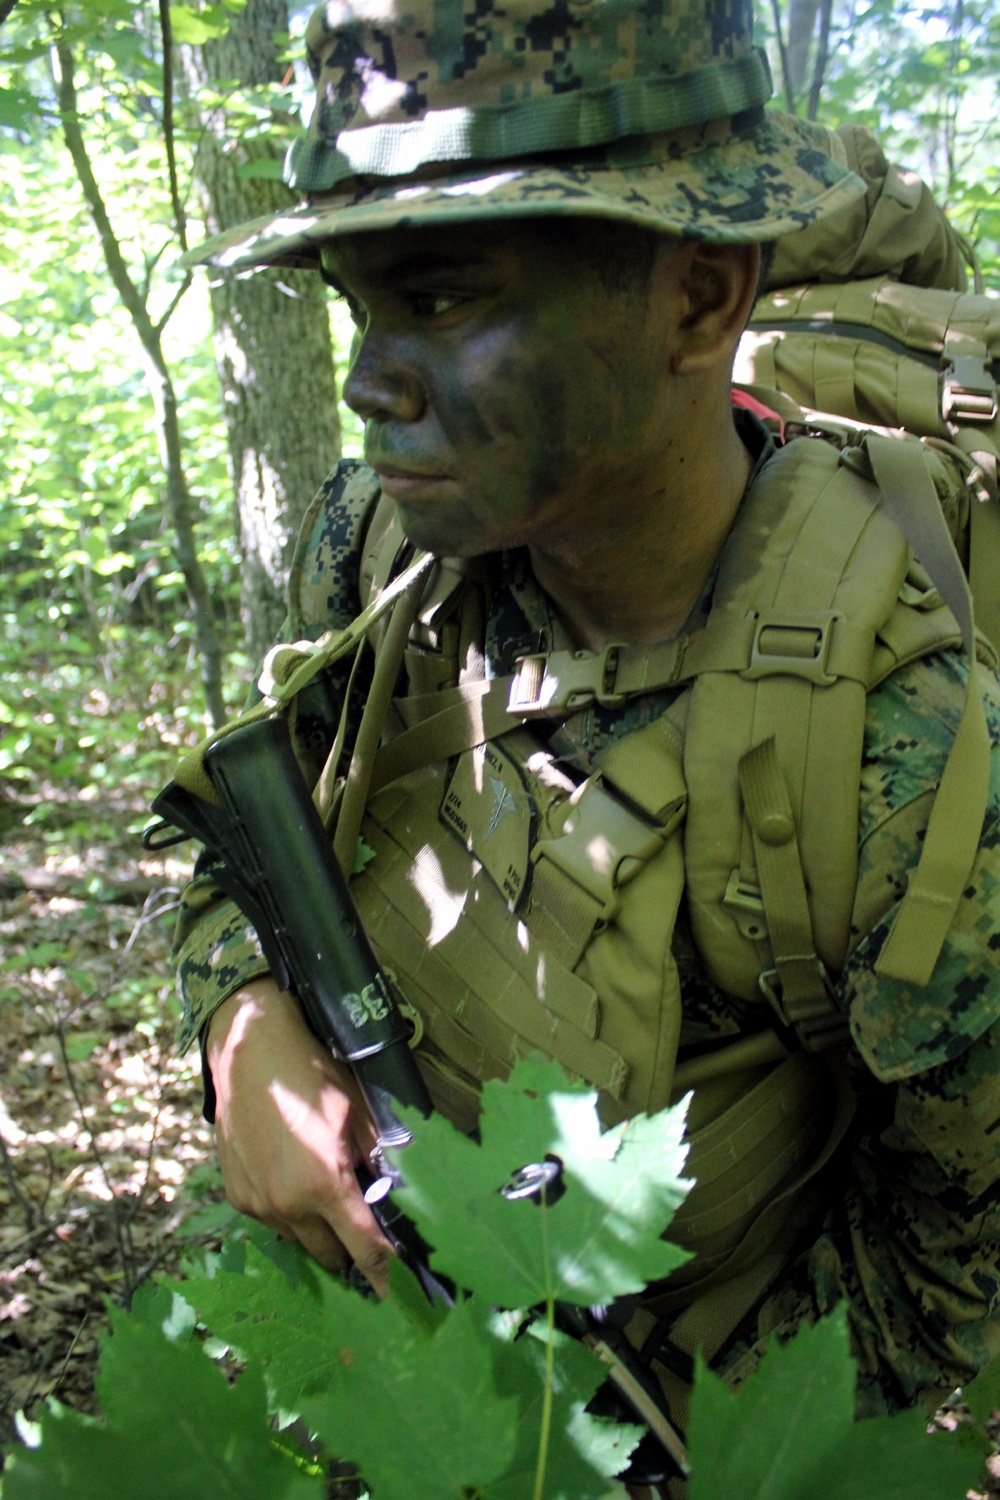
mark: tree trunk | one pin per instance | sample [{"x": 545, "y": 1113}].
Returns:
[
  {"x": 822, "y": 56},
  {"x": 801, "y": 25},
  {"x": 272, "y": 330}
]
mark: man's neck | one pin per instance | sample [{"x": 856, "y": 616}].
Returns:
[{"x": 636, "y": 569}]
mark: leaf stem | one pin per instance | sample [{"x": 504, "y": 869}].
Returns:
[{"x": 550, "y": 1358}]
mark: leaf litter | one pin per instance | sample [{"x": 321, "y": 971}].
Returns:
[{"x": 105, "y": 1160}]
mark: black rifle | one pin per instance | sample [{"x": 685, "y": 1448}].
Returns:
[{"x": 276, "y": 862}]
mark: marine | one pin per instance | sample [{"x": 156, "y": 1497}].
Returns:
[{"x": 653, "y": 785}]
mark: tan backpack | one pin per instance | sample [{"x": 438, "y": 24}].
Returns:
[{"x": 866, "y": 318}]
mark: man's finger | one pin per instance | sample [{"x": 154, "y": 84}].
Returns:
[
  {"x": 316, "y": 1237},
  {"x": 355, "y": 1226}
]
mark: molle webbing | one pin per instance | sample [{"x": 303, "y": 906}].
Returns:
[{"x": 471, "y": 968}]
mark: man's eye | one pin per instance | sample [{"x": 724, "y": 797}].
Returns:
[{"x": 433, "y": 304}]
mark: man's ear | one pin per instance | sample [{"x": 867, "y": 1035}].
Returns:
[{"x": 719, "y": 286}]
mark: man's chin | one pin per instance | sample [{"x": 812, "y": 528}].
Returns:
[{"x": 431, "y": 535}]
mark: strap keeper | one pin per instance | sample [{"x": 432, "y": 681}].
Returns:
[{"x": 968, "y": 390}]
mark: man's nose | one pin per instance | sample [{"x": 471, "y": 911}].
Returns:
[{"x": 382, "y": 381}]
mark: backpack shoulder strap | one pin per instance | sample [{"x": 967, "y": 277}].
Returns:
[
  {"x": 908, "y": 496},
  {"x": 773, "y": 754}
]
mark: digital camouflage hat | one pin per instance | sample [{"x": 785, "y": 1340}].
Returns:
[{"x": 650, "y": 111}]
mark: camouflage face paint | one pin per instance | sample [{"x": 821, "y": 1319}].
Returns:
[{"x": 508, "y": 391}]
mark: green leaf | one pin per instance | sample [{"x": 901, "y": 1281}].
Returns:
[
  {"x": 363, "y": 855},
  {"x": 198, "y": 26},
  {"x": 214, "y": 1216},
  {"x": 598, "y": 1241},
  {"x": 19, "y": 108},
  {"x": 894, "y": 1458},
  {"x": 358, "y": 1369},
  {"x": 158, "y": 1307},
  {"x": 790, "y": 1432},
  {"x": 436, "y": 1396},
  {"x": 169, "y": 1413},
  {"x": 268, "y": 169},
  {"x": 982, "y": 1395},
  {"x": 82, "y": 1044},
  {"x": 584, "y": 1451}
]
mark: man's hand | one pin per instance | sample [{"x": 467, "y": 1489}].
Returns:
[{"x": 291, "y": 1128}]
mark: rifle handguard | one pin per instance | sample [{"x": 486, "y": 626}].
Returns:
[{"x": 315, "y": 943}]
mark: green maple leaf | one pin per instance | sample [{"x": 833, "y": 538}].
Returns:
[
  {"x": 584, "y": 1451},
  {"x": 790, "y": 1432},
  {"x": 172, "y": 1426},
  {"x": 982, "y": 1395},
  {"x": 600, "y": 1240},
  {"x": 409, "y": 1397}
]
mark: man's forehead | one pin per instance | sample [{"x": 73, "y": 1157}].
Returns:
[{"x": 411, "y": 249}]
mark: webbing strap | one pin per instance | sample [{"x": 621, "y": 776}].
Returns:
[
  {"x": 951, "y": 843},
  {"x": 804, "y": 996},
  {"x": 819, "y": 646},
  {"x": 288, "y": 669},
  {"x": 563, "y": 913},
  {"x": 468, "y": 715},
  {"x": 984, "y": 566},
  {"x": 359, "y": 775}
]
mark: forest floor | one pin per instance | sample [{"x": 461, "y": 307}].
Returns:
[{"x": 107, "y": 1171}]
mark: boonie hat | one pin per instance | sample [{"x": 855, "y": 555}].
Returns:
[{"x": 647, "y": 111}]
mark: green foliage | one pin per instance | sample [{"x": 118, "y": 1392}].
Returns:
[
  {"x": 90, "y": 585},
  {"x": 797, "y": 1435},
  {"x": 467, "y": 1402},
  {"x": 472, "y": 1408},
  {"x": 618, "y": 1184},
  {"x": 186, "y": 1425}
]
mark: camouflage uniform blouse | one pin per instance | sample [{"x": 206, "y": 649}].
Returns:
[{"x": 912, "y": 1236}]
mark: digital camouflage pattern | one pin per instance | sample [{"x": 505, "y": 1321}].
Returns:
[
  {"x": 430, "y": 111},
  {"x": 911, "y": 1238}
]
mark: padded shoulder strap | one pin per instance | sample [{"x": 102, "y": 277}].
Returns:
[{"x": 809, "y": 547}]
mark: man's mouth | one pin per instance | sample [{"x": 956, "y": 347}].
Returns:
[{"x": 405, "y": 483}]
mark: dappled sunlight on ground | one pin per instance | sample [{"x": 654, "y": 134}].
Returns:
[{"x": 104, "y": 1156}]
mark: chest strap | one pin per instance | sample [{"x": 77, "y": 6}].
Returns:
[{"x": 816, "y": 647}]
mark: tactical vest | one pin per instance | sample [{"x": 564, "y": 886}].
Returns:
[{"x": 520, "y": 909}]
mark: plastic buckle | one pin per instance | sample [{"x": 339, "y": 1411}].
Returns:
[
  {"x": 603, "y": 844},
  {"x": 817, "y": 1029},
  {"x": 565, "y": 680},
  {"x": 968, "y": 390},
  {"x": 747, "y": 907},
  {"x": 797, "y": 644}
]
